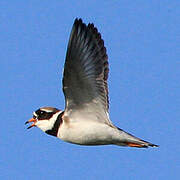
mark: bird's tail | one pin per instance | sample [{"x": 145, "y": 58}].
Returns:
[{"x": 132, "y": 141}]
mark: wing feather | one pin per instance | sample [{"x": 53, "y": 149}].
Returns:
[{"x": 86, "y": 72}]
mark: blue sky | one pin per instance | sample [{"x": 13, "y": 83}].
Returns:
[{"x": 143, "y": 45}]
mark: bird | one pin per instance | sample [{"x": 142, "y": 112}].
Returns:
[{"x": 85, "y": 120}]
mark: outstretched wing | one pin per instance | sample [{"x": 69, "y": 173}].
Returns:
[{"x": 86, "y": 73}]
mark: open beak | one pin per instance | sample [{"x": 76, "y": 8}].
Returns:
[{"x": 31, "y": 120}]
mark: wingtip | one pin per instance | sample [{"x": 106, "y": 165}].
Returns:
[
  {"x": 140, "y": 145},
  {"x": 78, "y": 21},
  {"x": 153, "y": 145}
]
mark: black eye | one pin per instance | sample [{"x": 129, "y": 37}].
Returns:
[
  {"x": 43, "y": 115},
  {"x": 42, "y": 112}
]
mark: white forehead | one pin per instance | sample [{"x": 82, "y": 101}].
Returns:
[
  {"x": 46, "y": 110},
  {"x": 34, "y": 113}
]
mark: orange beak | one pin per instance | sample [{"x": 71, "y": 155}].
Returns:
[{"x": 31, "y": 120}]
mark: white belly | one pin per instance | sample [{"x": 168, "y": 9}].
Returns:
[{"x": 87, "y": 133}]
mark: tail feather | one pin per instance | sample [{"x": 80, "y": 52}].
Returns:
[{"x": 132, "y": 141}]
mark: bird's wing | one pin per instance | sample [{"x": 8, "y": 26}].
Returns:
[{"x": 85, "y": 74}]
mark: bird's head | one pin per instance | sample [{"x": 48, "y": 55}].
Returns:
[{"x": 48, "y": 119}]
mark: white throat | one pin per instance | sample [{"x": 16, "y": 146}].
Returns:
[{"x": 46, "y": 125}]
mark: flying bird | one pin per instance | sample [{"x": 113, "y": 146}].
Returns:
[{"x": 85, "y": 120}]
